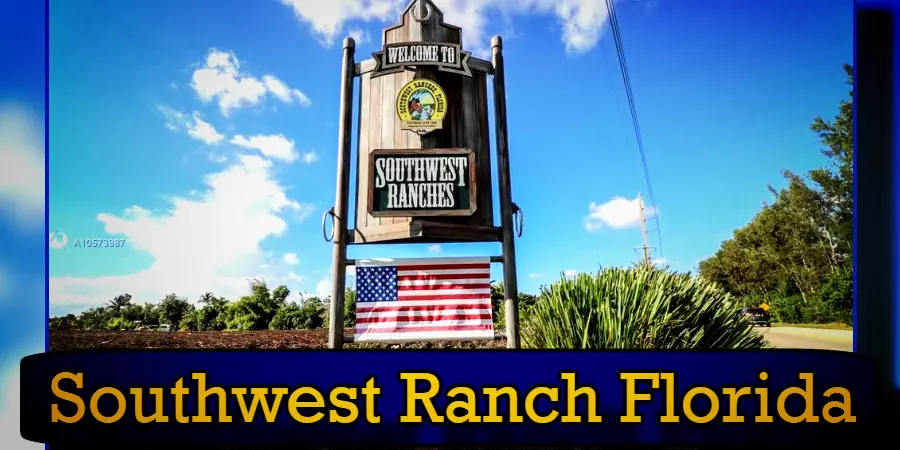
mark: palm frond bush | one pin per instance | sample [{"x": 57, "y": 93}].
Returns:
[{"x": 637, "y": 308}]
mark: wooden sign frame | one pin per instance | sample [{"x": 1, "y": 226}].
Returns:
[
  {"x": 473, "y": 183},
  {"x": 425, "y": 24}
]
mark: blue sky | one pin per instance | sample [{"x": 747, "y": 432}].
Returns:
[
  {"x": 204, "y": 132},
  {"x": 22, "y": 238}
]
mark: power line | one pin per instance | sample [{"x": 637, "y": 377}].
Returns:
[{"x": 626, "y": 79}]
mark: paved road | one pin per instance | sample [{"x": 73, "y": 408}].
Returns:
[{"x": 808, "y": 338}]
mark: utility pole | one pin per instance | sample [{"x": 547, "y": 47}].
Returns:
[{"x": 646, "y": 246}]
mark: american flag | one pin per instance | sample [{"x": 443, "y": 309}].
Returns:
[{"x": 423, "y": 299}]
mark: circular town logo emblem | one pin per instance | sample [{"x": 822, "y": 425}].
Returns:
[{"x": 421, "y": 106}]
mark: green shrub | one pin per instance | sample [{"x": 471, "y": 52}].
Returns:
[
  {"x": 288, "y": 317},
  {"x": 637, "y": 308},
  {"x": 296, "y": 317},
  {"x": 350, "y": 308},
  {"x": 833, "y": 304},
  {"x": 788, "y": 309},
  {"x": 210, "y": 318},
  {"x": 118, "y": 323},
  {"x": 837, "y": 296},
  {"x": 498, "y": 305}
]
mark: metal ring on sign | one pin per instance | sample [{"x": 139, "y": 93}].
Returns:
[
  {"x": 328, "y": 238},
  {"x": 427, "y": 13},
  {"x": 519, "y": 224}
]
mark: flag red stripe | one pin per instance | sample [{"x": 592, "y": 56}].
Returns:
[
  {"x": 444, "y": 266},
  {"x": 443, "y": 297},
  {"x": 431, "y": 318},
  {"x": 362, "y": 307},
  {"x": 443, "y": 276},
  {"x": 420, "y": 329},
  {"x": 438, "y": 287}
]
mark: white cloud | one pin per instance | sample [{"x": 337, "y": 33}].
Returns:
[
  {"x": 436, "y": 248},
  {"x": 278, "y": 89},
  {"x": 304, "y": 100},
  {"x": 580, "y": 21},
  {"x": 303, "y": 212},
  {"x": 203, "y": 131},
  {"x": 221, "y": 79},
  {"x": 327, "y": 18},
  {"x": 291, "y": 258},
  {"x": 207, "y": 243},
  {"x": 535, "y": 275},
  {"x": 570, "y": 273},
  {"x": 283, "y": 92},
  {"x": 618, "y": 213},
  {"x": 217, "y": 158},
  {"x": 195, "y": 127},
  {"x": 323, "y": 288},
  {"x": 272, "y": 145},
  {"x": 310, "y": 157},
  {"x": 294, "y": 277},
  {"x": 659, "y": 262},
  {"x": 358, "y": 35},
  {"x": 21, "y": 165}
]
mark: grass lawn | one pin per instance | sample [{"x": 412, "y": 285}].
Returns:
[{"x": 826, "y": 326}]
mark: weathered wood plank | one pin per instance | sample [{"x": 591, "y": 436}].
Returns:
[
  {"x": 371, "y": 136},
  {"x": 362, "y": 145},
  {"x": 485, "y": 177},
  {"x": 464, "y": 126},
  {"x": 425, "y": 232}
]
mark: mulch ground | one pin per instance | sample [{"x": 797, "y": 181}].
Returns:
[{"x": 295, "y": 339}]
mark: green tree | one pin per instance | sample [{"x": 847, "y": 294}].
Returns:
[
  {"x": 149, "y": 314},
  {"x": 836, "y": 180},
  {"x": 172, "y": 309},
  {"x": 280, "y": 295},
  {"x": 349, "y": 308},
  {"x": 292, "y": 316},
  {"x": 498, "y": 304},
  {"x": 797, "y": 251},
  {"x": 95, "y": 318},
  {"x": 119, "y": 302},
  {"x": 211, "y": 316},
  {"x": 255, "y": 311}
]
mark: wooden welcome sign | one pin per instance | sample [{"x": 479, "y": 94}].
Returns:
[{"x": 424, "y": 155}]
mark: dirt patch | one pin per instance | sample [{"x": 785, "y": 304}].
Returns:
[{"x": 295, "y": 339}]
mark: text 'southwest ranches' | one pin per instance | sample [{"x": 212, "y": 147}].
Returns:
[{"x": 421, "y": 182}]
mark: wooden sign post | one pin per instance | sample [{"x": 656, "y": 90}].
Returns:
[{"x": 423, "y": 156}]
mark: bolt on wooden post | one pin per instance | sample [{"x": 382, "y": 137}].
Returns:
[{"x": 423, "y": 154}]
